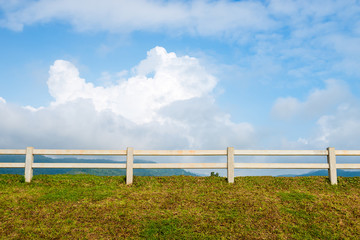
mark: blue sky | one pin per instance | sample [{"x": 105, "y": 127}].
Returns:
[{"x": 277, "y": 74}]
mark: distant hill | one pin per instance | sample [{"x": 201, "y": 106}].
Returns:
[
  {"x": 340, "y": 173},
  {"x": 98, "y": 172}
]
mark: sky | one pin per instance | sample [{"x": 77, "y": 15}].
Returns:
[{"x": 271, "y": 74}]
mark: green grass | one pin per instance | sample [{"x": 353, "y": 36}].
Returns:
[{"x": 178, "y": 207}]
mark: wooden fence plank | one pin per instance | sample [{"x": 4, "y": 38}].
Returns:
[
  {"x": 347, "y": 166},
  {"x": 12, "y": 151},
  {"x": 180, "y": 165},
  {"x": 12, "y": 165},
  {"x": 80, "y": 165},
  {"x": 281, "y": 152},
  {"x": 332, "y": 165},
  {"x": 282, "y": 165},
  {"x": 347, "y": 152},
  {"x": 29, "y": 159},
  {"x": 180, "y": 152},
  {"x": 230, "y": 165},
  {"x": 79, "y": 152},
  {"x": 129, "y": 165}
]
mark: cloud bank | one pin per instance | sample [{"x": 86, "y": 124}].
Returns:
[
  {"x": 333, "y": 113},
  {"x": 287, "y": 38},
  {"x": 195, "y": 17},
  {"x": 318, "y": 102},
  {"x": 167, "y": 103},
  {"x": 199, "y": 17}
]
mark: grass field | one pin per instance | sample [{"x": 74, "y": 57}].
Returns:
[{"x": 179, "y": 207}]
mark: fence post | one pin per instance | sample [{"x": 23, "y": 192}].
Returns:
[
  {"x": 29, "y": 159},
  {"x": 332, "y": 165},
  {"x": 230, "y": 164},
  {"x": 129, "y": 165}
]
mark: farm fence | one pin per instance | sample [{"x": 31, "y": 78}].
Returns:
[{"x": 230, "y": 164}]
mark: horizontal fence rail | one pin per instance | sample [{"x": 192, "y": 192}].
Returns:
[
  {"x": 79, "y": 152},
  {"x": 79, "y": 165},
  {"x": 12, "y": 151},
  {"x": 281, "y": 152},
  {"x": 230, "y": 164},
  {"x": 180, "y": 152},
  {"x": 282, "y": 165}
]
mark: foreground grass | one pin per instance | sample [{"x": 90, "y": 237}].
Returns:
[{"x": 179, "y": 207}]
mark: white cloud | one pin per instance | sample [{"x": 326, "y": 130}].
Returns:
[
  {"x": 2, "y": 100},
  {"x": 318, "y": 102},
  {"x": 348, "y": 50},
  {"x": 286, "y": 108},
  {"x": 334, "y": 114},
  {"x": 200, "y": 17},
  {"x": 159, "y": 80},
  {"x": 290, "y": 38},
  {"x": 341, "y": 129},
  {"x": 282, "y": 34},
  {"x": 166, "y": 104},
  {"x": 199, "y": 118}
]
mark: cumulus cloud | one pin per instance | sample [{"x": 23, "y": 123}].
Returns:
[
  {"x": 159, "y": 80},
  {"x": 166, "y": 104}
]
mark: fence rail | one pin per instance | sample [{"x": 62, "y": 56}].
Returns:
[{"x": 230, "y": 164}]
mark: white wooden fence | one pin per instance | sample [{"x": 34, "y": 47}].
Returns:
[{"x": 230, "y": 164}]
